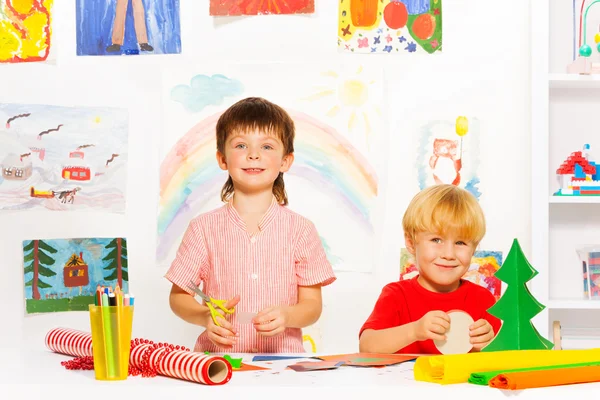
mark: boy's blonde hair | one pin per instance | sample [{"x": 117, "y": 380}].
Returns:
[
  {"x": 445, "y": 208},
  {"x": 256, "y": 113}
]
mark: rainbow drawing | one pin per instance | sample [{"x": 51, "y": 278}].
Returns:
[{"x": 190, "y": 176}]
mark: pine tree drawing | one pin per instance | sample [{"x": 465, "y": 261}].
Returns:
[
  {"x": 38, "y": 265},
  {"x": 517, "y": 306},
  {"x": 117, "y": 261}
]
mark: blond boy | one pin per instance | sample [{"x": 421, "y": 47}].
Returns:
[{"x": 443, "y": 226}]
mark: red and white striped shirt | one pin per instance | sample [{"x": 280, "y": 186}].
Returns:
[{"x": 265, "y": 269}]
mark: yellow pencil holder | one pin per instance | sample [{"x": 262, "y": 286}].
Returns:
[{"x": 111, "y": 338}]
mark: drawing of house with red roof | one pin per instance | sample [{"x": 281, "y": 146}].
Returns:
[
  {"x": 578, "y": 176},
  {"x": 76, "y": 169}
]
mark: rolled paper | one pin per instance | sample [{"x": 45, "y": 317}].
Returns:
[
  {"x": 70, "y": 342},
  {"x": 483, "y": 378},
  {"x": 456, "y": 368},
  {"x": 186, "y": 365},
  {"x": 180, "y": 364},
  {"x": 545, "y": 378},
  {"x": 196, "y": 367},
  {"x": 135, "y": 357}
]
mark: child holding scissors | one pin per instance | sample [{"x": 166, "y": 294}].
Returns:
[
  {"x": 443, "y": 225},
  {"x": 253, "y": 252}
]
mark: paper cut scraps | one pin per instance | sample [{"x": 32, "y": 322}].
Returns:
[
  {"x": 25, "y": 30},
  {"x": 339, "y": 150},
  {"x": 517, "y": 306},
  {"x": 315, "y": 366},
  {"x": 250, "y": 367},
  {"x": 482, "y": 270},
  {"x": 390, "y": 26},
  {"x": 63, "y": 158},
  {"x": 128, "y": 27},
  {"x": 368, "y": 359},
  {"x": 63, "y": 274},
  {"x": 256, "y": 7},
  {"x": 275, "y": 358}
]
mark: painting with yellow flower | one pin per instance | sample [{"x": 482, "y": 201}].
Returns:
[{"x": 25, "y": 30}]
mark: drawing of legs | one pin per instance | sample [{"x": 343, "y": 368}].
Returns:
[
  {"x": 139, "y": 20},
  {"x": 118, "y": 31}
]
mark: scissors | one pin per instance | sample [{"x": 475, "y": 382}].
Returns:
[{"x": 211, "y": 303}]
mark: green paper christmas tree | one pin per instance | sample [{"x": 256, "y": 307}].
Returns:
[{"x": 517, "y": 306}]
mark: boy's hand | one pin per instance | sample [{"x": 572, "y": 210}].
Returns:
[
  {"x": 481, "y": 333},
  {"x": 224, "y": 336},
  {"x": 271, "y": 321},
  {"x": 432, "y": 325}
]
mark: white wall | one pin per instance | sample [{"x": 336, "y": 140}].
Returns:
[{"x": 483, "y": 71}]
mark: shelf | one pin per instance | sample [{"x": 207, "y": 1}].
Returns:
[
  {"x": 573, "y": 81},
  {"x": 574, "y": 304},
  {"x": 574, "y": 199}
]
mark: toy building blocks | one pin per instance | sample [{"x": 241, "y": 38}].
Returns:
[{"x": 578, "y": 175}]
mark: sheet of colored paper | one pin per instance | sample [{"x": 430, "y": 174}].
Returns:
[
  {"x": 456, "y": 368},
  {"x": 315, "y": 366},
  {"x": 544, "y": 378},
  {"x": 483, "y": 378},
  {"x": 276, "y": 358},
  {"x": 369, "y": 359},
  {"x": 249, "y": 367}
]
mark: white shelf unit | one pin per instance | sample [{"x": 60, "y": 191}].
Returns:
[
  {"x": 562, "y": 109},
  {"x": 574, "y": 200},
  {"x": 572, "y": 81}
]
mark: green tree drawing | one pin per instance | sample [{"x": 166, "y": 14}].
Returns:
[
  {"x": 517, "y": 306},
  {"x": 117, "y": 261},
  {"x": 38, "y": 265}
]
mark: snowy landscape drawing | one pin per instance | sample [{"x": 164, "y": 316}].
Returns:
[{"x": 63, "y": 158}]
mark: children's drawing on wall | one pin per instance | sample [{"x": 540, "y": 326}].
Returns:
[
  {"x": 63, "y": 274},
  {"x": 484, "y": 265},
  {"x": 257, "y": 7},
  {"x": 339, "y": 151},
  {"x": 390, "y": 26},
  {"x": 63, "y": 158},
  {"x": 116, "y": 27},
  {"x": 25, "y": 30},
  {"x": 448, "y": 153}
]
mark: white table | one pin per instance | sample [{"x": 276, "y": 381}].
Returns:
[{"x": 37, "y": 374}]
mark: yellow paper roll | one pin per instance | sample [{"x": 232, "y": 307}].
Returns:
[{"x": 456, "y": 368}]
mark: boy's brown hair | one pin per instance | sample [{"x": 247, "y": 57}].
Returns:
[
  {"x": 257, "y": 114},
  {"x": 445, "y": 208}
]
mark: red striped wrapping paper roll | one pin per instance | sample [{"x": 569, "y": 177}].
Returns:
[
  {"x": 181, "y": 364},
  {"x": 70, "y": 342},
  {"x": 196, "y": 367},
  {"x": 186, "y": 365}
]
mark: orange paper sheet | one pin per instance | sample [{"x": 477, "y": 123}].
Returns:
[
  {"x": 250, "y": 367},
  {"x": 544, "y": 378}
]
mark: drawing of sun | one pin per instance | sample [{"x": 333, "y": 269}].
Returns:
[{"x": 348, "y": 97}]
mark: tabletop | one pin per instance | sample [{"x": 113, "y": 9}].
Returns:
[{"x": 37, "y": 373}]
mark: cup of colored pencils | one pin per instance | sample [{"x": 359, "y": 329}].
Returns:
[{"x": 111, "y": 320}]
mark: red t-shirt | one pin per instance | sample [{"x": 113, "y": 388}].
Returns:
[{"x": 407, "y": 301}]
